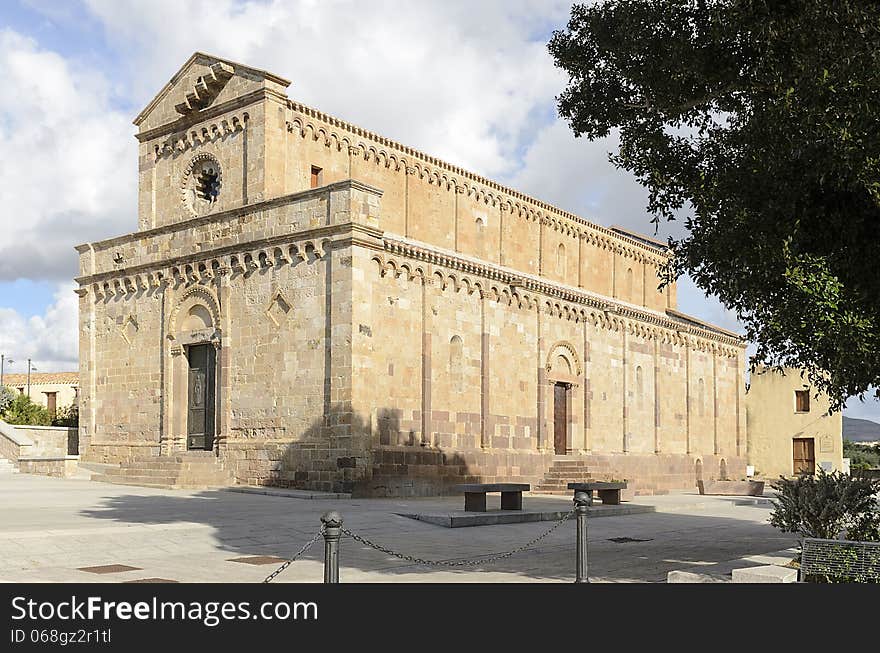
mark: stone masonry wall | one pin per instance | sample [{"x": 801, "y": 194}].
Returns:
[
  {"x": 384, "y": 349},
  {"x": 447, "y": 207},
  {"x": 269, "y": 289},
  {"x": 457, "y": 372}
]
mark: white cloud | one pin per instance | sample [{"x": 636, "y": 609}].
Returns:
[
  {"x": 461, "y": 80},
  {"x": 68, "y": 166},
  {"x": 51, "y": 341}
]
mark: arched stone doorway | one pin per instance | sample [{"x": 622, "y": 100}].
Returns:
[
  {"x": 192, "y": 383},
  {"x": 564, "y": 375}
]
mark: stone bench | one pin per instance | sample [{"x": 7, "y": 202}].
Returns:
[
  {"x": 609, "y": 492},
  {"x": 475, "y": 495}
]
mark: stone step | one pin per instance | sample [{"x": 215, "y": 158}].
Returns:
[
  {"x": 175, "y": 469},
  {"x": 172, "y": 473},
  {"x": 146, "y": 481},
  {"x": 565, "y": 470},
  {"x": 191, "y": 470},
  {"x": 163, "y": 482},
  {"x": 172, "y": 463},
  {"x": 189, "y": 456},
  {"x": 164, "y": 471},
  {"x": 7, "y": 467}
]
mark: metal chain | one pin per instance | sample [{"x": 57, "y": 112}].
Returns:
[
  {"x": 308, "y": 545},
  {"x": 457, "y": 563}
]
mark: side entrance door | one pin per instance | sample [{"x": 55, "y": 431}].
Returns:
[
  {"x": 804, "y": 455},
  {"x": 560, "y": 418},
  {"x": 200, "y": 413}
]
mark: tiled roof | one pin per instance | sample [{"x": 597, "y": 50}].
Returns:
[{"x": 42, "y": 378}]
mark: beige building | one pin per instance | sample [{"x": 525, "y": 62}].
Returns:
[
  {"x": 322, "y": 307},
  {"x": 789, "y": 429},
  {"x": 54, "y": 390}
]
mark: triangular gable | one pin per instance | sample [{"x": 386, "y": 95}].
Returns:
[{"x": 197, "y": 85}]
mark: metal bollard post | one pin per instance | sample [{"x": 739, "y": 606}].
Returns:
[
  {"x": 332, "y": 522},
  {"x": 582, "y": 500}
]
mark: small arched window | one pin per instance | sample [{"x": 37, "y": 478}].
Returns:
[
  {"x": 628, "y": 287},
  {"x": 560, "y": 259}
]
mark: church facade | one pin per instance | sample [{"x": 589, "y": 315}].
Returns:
[{"x": 324, "y": 308}]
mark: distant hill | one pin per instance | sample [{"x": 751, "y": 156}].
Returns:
[{"x": 860, "y": 430}]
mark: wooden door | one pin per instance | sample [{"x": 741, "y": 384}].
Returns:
[
  {"x": 804, "y": 455},
  {"x": 560, "y": 418},
  {"x": 52, "y": 403},
  {"x": 200, "y": 397}
]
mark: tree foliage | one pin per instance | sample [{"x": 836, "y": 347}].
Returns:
[
  {"x": 23, "y": 411},
  {"x": 7, "y": 395},
  {"x": 756, "y": 122},
  {"x": 861, "y": 456},
  {"x": 67, "y": 416},
  {"x": 827, "y": 505}
]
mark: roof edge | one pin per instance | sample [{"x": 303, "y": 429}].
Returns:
[{"x": 192, "y": 59}]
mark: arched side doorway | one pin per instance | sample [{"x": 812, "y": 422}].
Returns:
[
  {"x": 563, "y": 373},
  {"x": 193, "y": 391}
]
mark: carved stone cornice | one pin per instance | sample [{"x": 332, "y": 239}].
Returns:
[
  {"x": 307, "y": 120},
  {"x": 557, "y": 299}
]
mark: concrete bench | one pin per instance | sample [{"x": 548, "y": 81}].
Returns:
[
  {"x": 475, "y": 495},
  {"x": 608, "y": 492}
]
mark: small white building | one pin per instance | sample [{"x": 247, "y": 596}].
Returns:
[{"x": 53, "y": 390}]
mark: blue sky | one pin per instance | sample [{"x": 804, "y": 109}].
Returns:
[{"x": 469, "y": 82}]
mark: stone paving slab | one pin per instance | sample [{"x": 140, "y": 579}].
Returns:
[
  {"x": 286, "y": 492},
  {"x": 51, "y": 527}
]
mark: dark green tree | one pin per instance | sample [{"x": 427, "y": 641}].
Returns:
[{"x": 756, "y": 122}]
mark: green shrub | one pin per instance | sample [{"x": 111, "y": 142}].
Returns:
[
  {"x": 7, "y": 396},
  {"x": 827, "y": 505},
  {"x": 67, "y": 416},
  {"x": 24, "y": 412}
]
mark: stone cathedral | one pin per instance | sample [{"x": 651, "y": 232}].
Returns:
[{"x": 309, "y": 304}]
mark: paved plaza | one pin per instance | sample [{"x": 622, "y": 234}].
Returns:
[{"x": 50, "y": 528}]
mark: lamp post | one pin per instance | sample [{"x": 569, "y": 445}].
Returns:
[
  {"x": 4, "y": 360},
  {"x": 30, "y": 367}
]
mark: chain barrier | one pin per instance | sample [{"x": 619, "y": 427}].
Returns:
[
  {"x": 308, "y": 545},
  {"x": 457, "y": 563}
]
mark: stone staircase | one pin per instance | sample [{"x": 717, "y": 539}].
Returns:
[
  {"x": 564, "y": 470},
  {"x": 6, "y": 467},
  {"x": 192, "y": 470}
]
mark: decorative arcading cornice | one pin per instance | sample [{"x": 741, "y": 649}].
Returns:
[
  {"x": 556, "y": 299},
  {"x": 410, "y": 161},
  {"x": 184, "y": 123},
  {"x": 229, "y": 214},
  {"x": 207, "y": 267},
  {"x": 207, "y": 133}
]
